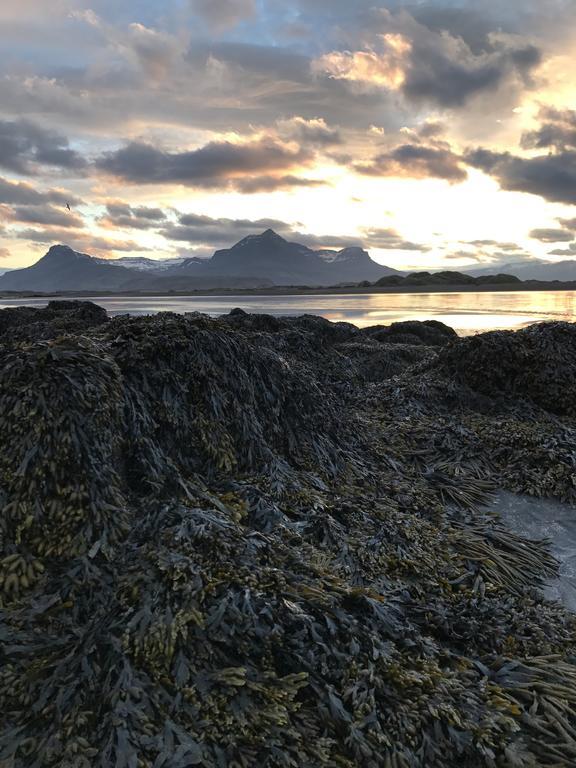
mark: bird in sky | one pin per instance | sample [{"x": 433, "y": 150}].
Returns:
[{"x": 68, "y": 206}]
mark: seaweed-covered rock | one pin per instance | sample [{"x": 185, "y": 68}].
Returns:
[
  {"x": 222, "y": 545},
  {"x": 429, "y": 333},
  {"x": 58, "y": 317},
  {"x": 537, "y": 363},
  {"x": 377, "y": 361}
]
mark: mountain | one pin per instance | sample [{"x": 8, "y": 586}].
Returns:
[
  {"x": 287, "y": 263},
  {"x": 141, "y": 263},
  {"x": 257, "y": 261},
  {"x": 4, "y": 270},
  {"x": 63, "y": 269},
  {"x": 534, "y": 269}
]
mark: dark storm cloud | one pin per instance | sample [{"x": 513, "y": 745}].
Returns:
[
  {"x": 124, "y": 216},
  {"x": 22, "y": 193},
  {"x": 213, "y": 165},
  {"x": 552, "y": 235},
  {"x": 558, "y": 131},
  {"x": 24, "y": 146},
  {"x": 415, "y": 161}
]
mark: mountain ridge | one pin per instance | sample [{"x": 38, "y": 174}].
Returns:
[{"x": 256, "y": 261}]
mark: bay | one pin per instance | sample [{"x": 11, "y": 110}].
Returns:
[{"x": 468, "y": 312}]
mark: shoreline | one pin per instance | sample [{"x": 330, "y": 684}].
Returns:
[{"x": 296, "y": 291}]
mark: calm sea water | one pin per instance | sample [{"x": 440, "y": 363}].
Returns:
[{"x": 466, "y": 312}]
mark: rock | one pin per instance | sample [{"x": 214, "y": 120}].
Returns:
[
  {"x": 58, "y": 317},
  {"x": 537, "y": 364},
  {"x": 237, "y": 541},
  {"x": 428, "y": 333}
]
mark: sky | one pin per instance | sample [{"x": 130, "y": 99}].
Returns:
[{"x": 439, "y": 134}]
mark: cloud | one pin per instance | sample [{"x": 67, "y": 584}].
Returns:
[
  {"x": 383, "y": 68},
  {"x": 205, "y": 230},
  {"x": 79, "y": 241},
  {"x": 313, "y": 132},
  {"x": 480, "y": 258},
  {"x": 552, "y": 235},
  {"x": 389, "y": 240},
  {"x": 4, "y": 252},
  {"x": 448, "y": 74},
  {"x": 493, "y": 244},
  {"x": 551, "y": 176},
  {"x": 214, "y": 165},
  {"x": 255, "y": 184},
  {"x": 25, "y": 146},
  {"x": 569, "y": 251},
  {"x": 415, "y": 162},
  {"x": 558, "y": 131},
  {"x": 430, "y": 63},
  {"x": 224, "y": 14},
  {"x": 47, "y": 215},
  {"x": 568, "y": 224},
  {"x": 22, "y": 193},
  {"x": 154, "y": 52},
  {"x": 198, "y": 229},
  {"x": 124, "y": 216}
]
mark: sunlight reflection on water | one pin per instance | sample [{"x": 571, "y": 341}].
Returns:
[{"x": 466, "y": 312}]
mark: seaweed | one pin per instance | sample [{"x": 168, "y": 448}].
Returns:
[{"x": 253, "y": 541}]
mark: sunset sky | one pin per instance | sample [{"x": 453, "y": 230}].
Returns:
[{"x": 437, "y": 133}]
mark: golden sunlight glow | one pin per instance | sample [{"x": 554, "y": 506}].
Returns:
[{"x": 383, "y": 69}]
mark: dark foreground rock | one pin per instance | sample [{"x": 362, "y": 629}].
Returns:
[
  {"x": 58, "y": 317},
  {"x": 431, "y": 333},
  {"x": 239, "y": 542}
]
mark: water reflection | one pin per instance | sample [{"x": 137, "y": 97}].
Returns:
[{"x": 466, "y": 312}]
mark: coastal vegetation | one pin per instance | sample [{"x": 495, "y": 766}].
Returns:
[{"x": 261, "y": 541}]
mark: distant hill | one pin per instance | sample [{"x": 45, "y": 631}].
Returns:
[
  {"x": 257, "y": 261},
  {"x": 534, "y": 269},
  {"x": 446, "y": 278}
]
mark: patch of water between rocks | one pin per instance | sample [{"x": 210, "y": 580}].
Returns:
[{"x": 545, "y": 519}]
